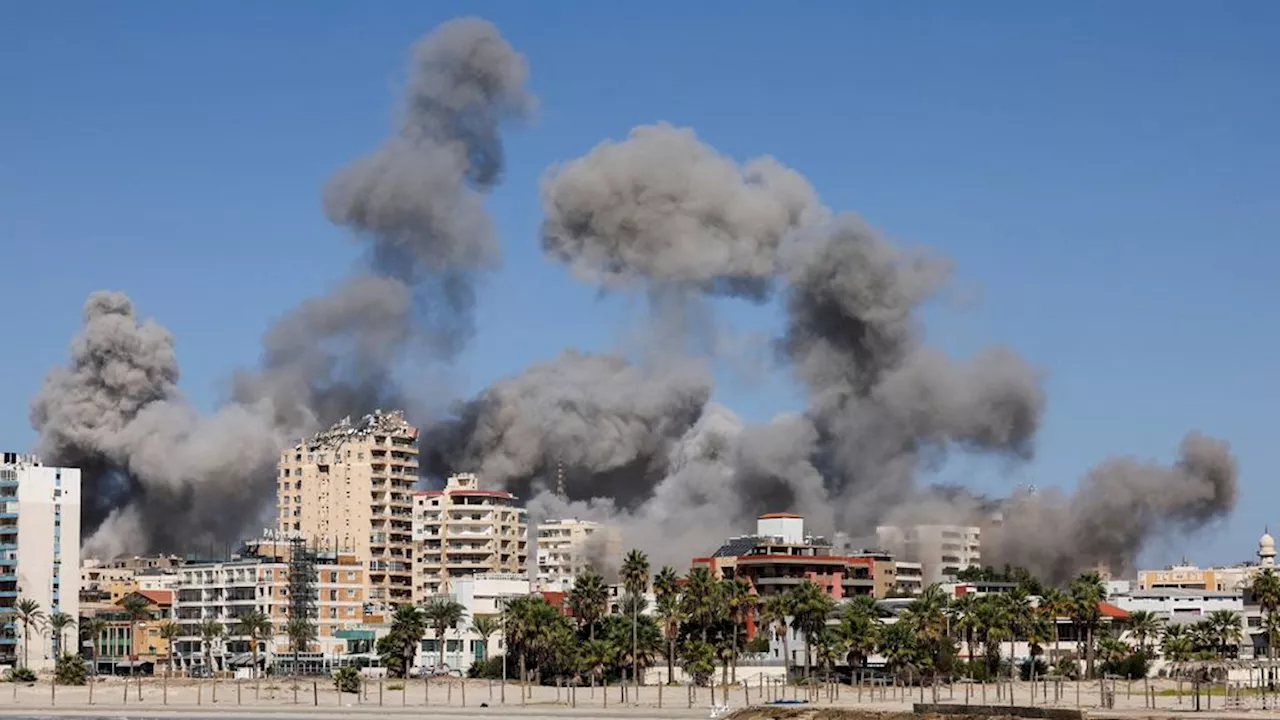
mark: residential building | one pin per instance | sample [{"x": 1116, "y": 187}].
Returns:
[
  {"x": 780, "y": 556},
  {"x": 1179, "y": 605},
  {"x": 908, "y": 577},
  {"x": 263, "y": 578},
  {"x": 350, "y": 488},
  {"x": 465, "y": 530},
  {"x": 119, "y": 645},
  {"x": 567, "y": 548},
  {"x": 942, "y": 550},
  {"x": 39, "y": 552}
]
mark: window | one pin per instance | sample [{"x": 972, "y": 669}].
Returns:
[{"x": 333, "y": 596}]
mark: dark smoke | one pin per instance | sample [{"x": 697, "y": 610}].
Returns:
[{"x": 157, "y": 475}]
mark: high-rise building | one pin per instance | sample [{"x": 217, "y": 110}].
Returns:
[
  {"x": 567, "y": 548},
  {"x": 942, "y": 550},
  {"x": 350, "y": 488},
  {"x": 465, "y": 530},
  {"x": 39, "y": 552}
]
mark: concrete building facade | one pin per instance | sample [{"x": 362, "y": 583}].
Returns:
[
  {"x": 465, "y": 530},
  {"x": 39, "y": 553},
  {"x": 350, "y": 488},
  {"x": 942, "y": 550},
  {"x": 260, "y": 580},
  {"x": 567, "y": 548}
]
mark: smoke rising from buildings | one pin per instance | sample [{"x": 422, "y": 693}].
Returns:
[
  {"x": 659, "y": 212},
  {"x": 159, "y": 476}
]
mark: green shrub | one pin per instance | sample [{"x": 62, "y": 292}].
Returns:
[
  {"x": 20, "y": 675},
  {"x": 347, "y": 679},
  {"x": 70, "y": 670},
  {"x": 395, "y": 686},
  {"x": 489, "y": 668}
]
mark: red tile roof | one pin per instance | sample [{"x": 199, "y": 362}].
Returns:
[
  {"x": 157, "y": 597},
  {"x": 1106, "y": 609},
  {"x": 779, "y": 516}
]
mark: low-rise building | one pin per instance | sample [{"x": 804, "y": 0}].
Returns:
[
  {"x": 464, "y": 530},
  {"x": 908, "y": 577},
  {"x": 126, "y": 640}
]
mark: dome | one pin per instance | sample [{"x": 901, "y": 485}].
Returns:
[{"x": 1266, "y": 545}]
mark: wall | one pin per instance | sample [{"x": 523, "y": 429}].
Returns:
[{"x": 48, "y": 549}]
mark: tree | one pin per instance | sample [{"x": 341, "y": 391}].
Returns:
[
  {"x": 1145, "y": 626},
  {"x": 587, "y": 600},
  {"x": 810, "y": 607},
  {"x": 1226, "y": 631},
  {"x": 635, "y": 580},
  {"x": 899, "y": 646},
  {"x": 1087, "y": 592},
  {"x": 666, "y": 589},
  {"x": 699, "y": 601},
  {"x": 399, "y": 646},
  {"x": 776, "y": 613},
  {"x": 138, "y": 610},
  {"x": 1053, "y": 605},
  {"x": 485, "y": 626},
  {"x": 91, "y": 628},
  {"x": 255, "y": 625},
  {"x": 1017, "y": 616},
  {"x": 964, "y": 613},
  {"x": 170, "y": 631},
  {"x": 29, "y": 613},
  {"x": 860, "y": 627},
  {"x": 301, "y": 632},
  {"x": 442, "y": 613},
  {"x": 1266, "y": 592},
  {"x": 211, "y": 631},
  {"x": 741, "y": 605},
  {"x": 58, "y": 624}
]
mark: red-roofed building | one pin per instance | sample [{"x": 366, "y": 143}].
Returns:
[
  {"x": 465, "y": 530},
  {"x": 781, "y": 556}
]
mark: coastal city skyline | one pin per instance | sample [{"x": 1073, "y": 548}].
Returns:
[{"x": 778, "y": 350}]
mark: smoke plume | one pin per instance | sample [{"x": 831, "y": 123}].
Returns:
[
  {"x": 638, "y": 437},
  {"x": 158, "y": 475}
]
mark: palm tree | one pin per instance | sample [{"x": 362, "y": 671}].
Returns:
[
  {"x": 408, "y": 625},
  {"x": 776, "y": 612},
  {"x": 210, "y": 632},
  {"x": 29, "y": 613},
  {"x": 964, "y": 612},
  {"x": 810, "y": 607},
  {"x": 860, "y": 626},
  {"x": 899, "y": 646},
  {"x": 741, "y": 604},
  {"x": 255, "y": 625},
  {"x": 301, "y": 632},
  {"x": 485, "y": 626},
  {"x": 587, "y": 600},
  {"x": 529, "y": 623},
  {"x": 58, "y": 624},
  {"x": 169, "y": 632},
  {"x": 138, "y": 610},
  {"x": 1145, "y": 626},
  {"x": 443, "y": 613},
  {"x": 699, "y": 601},
  {"x": 1226, "y": 629},
  {"x": 666, "y": 589},
  {"x": 1054, "y": 604},
  {"x": 1266, "y": 591},
  {"x": 91, "y": 628},
  {"x": 1017, "y": 611},
  {"x": 1113, "y": 649},
  {"x": 635, "y": 580},
  {"x": 1086, "y": 592}
]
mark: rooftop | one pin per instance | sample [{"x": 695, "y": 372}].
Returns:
[{"x": 391, "y": 422}]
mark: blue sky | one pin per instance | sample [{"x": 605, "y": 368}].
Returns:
[{"x": 1104, "y": 174}]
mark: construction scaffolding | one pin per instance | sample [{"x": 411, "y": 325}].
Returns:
[{"x": 302, "y": 580}]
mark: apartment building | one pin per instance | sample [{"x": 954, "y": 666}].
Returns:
[
  {"x": 350, "y": 488},
  {"x": 567, "y": 548},
  {"x": 465, "y": 530},
  {"x": 39, "y": 552},
  {"x": 123, "y": 640},
  {"x": 942, "y": 550},
  {"x": 262, "y": 579}
]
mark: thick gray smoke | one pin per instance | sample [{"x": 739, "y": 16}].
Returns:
[
  {"x": 662, "y": 212},
  {"x": 1118, "y": 508},
  {"x": 159, "y": 476}
]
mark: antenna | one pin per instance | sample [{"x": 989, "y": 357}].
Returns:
[{"x": 560, "y": 489}]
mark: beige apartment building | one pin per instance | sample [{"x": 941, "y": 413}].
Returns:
[
  {"x": 350, "y": 488},
  {"x": 942, "y": 550},
  {"x": 567, "y": 548},
  {"x": 463, "y": 531}
]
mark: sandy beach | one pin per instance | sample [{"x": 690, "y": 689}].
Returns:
[{"x": 285, "y": 698}]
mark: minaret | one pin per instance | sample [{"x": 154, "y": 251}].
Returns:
[{"x": 1266, "y": 549}]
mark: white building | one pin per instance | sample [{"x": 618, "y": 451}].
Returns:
[
  {"x": 942, "y": 550},
  {"x": 567, "y": 548},
  {"x": 480, "y": 595},
  {"x": 1180, "y": 604},
  {"x": 39, "y": 552}
]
